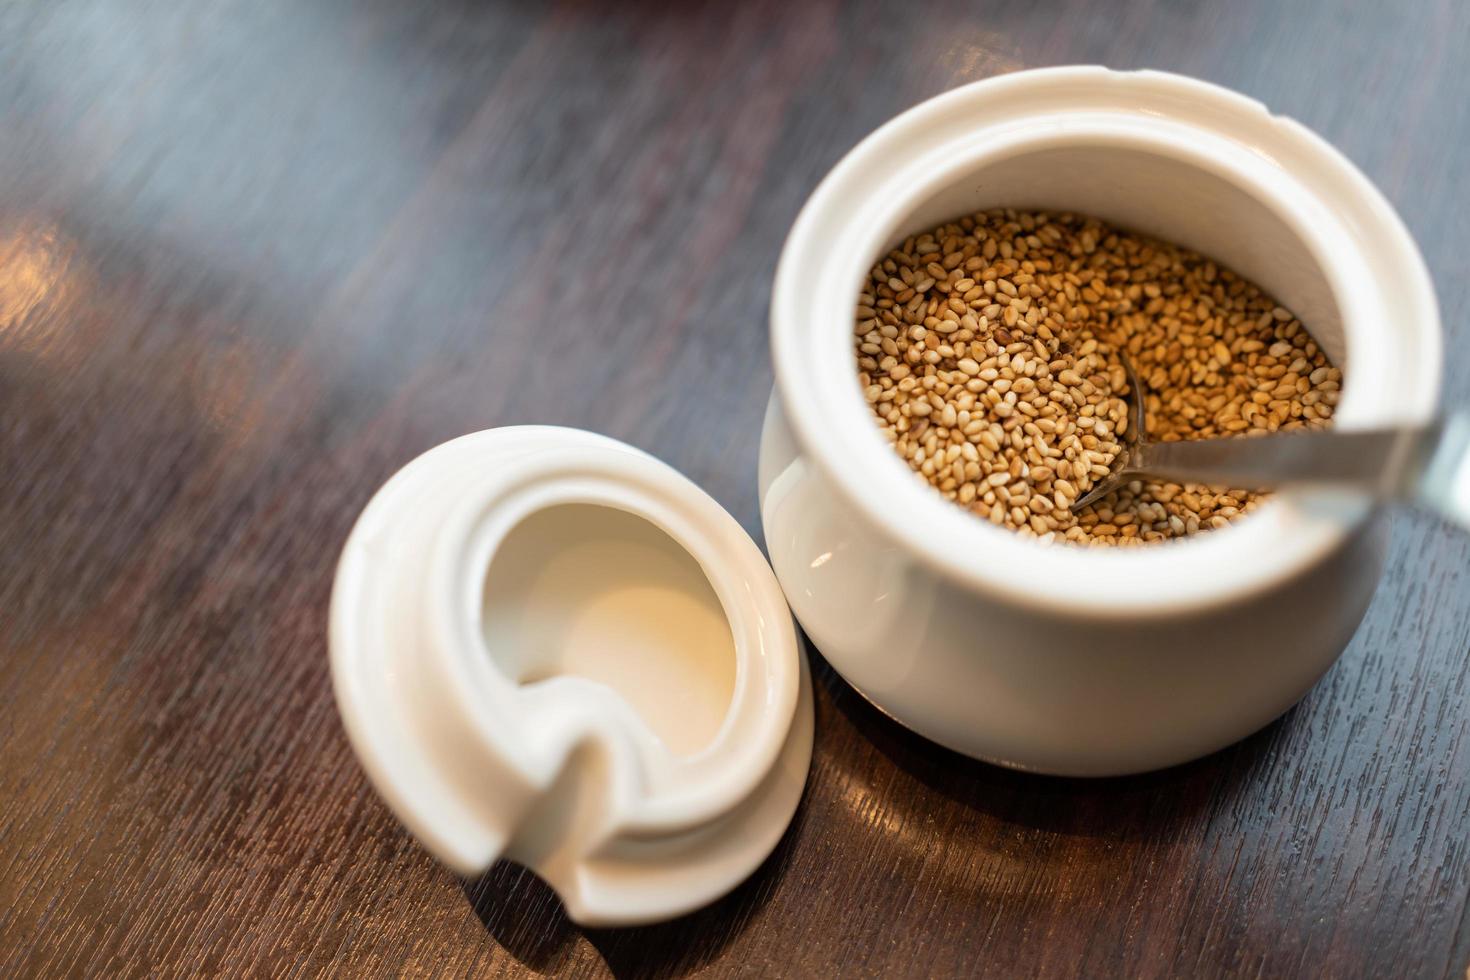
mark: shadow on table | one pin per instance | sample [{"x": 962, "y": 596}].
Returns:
[
  {"x": 1120, "y": 807},
  {"x": 525, "y": 917}
]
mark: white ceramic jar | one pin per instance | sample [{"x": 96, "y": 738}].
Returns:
[{"x": 1062, "y": 659}]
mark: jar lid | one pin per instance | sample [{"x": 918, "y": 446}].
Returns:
[{"x": 550, "y": 647}]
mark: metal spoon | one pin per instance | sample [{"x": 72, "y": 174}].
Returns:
[{"x": 1425, "y": 464}]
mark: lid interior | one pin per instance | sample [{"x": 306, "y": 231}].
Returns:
[{"x": 590, "y": 591}]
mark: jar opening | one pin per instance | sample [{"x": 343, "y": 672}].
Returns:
[{"x": 1163, "y": 155}]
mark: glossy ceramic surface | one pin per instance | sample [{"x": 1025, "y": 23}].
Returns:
[
  {"x": 1062, "y": 659},
  {"x": 550, "y": 647}
]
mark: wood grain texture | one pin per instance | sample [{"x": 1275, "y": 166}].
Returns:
[{"x": 256, "y": 254}]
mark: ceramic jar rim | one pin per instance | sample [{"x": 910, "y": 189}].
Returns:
[{"x": 1359, "y": 243}]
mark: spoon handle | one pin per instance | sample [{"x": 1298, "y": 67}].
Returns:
[
  {"x": 1444, "y": 486},
  {"x": 1429, "y": 464}
]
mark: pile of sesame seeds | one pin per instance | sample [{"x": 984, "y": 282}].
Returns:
[{"x": 987, "y": 351}]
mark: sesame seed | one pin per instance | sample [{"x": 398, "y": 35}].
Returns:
[{"x": 987, "y": 351}]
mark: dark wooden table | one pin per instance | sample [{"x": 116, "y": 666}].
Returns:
[{"x": 256, "y": 254}]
